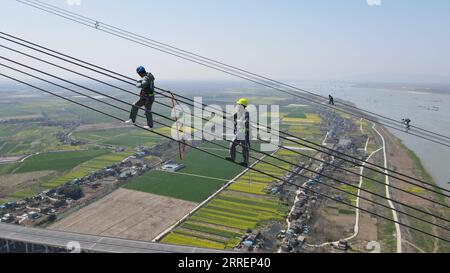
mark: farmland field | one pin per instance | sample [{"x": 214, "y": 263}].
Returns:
[
  {"x": 203, "y": 174},
  {"x": 43, "y": 171},
  {"x": 227, "y": 217},
  {"x": 126, "y": 214},
  {"x": 58, "y": 161},
  {"x": 126, "y": 137},
  {"x": 266, "y": 100},
  {"x": 7, "y": 168},
  {"x": 308, "y": 119},
  {"x": 221, "y": 222},
  {"x": 202, "y": 164},
  {"x": 87, "y": 167},
  {"x": 295, "y": 112},
  {"x": 245, "y": 204},
  {"x": 20, "y": 140},
  {"x": 176, "y": 185},
  {"x": 15, "y": 184}
]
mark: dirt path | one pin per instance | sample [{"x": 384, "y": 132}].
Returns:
[{"x": 361, "y": 180}]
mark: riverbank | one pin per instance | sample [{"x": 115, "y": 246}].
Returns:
[{"x": 405, "y": 161}]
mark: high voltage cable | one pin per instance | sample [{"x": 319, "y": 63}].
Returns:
[
  {"x": 280, "y": 146},
  {"x": 215, "y": 155},
  {"x": 261, "y": 160},
  {"x": 78, "y": 60},
  {"x": 98, "y": 26}
]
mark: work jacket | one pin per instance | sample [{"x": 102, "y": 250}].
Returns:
[{"x": 147, "y": 85}]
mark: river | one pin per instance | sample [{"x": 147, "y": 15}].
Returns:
[{"x": 427, "y": 110}]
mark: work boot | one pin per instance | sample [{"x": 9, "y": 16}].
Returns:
[{"x": 244, "y": 164}]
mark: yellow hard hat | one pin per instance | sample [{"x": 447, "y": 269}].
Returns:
[{"x": 243, "y": 102}]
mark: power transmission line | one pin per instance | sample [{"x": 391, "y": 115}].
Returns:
[
  {"x": 225, "y": 113},
  {"x": 258, "y": 159},
  {"x": 212, "y": 154},
  {"x": 97, "y": 25},
  {"x": 40, "y": 71}
]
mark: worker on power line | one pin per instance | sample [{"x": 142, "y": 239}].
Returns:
[
  {"x": 241, "y": 132},
  {"x": 407, "y": 122},
  {"x": 330, "y": 100},
  {"x": 147, "y": 97}
]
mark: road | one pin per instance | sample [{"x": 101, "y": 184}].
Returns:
[
  {"x": 361, "y": 180},
  {"x": 388, "y": 194}
]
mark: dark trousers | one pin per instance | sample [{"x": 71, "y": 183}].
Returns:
[
  {"x": 147, "y": 102},
  {"x": 245, "y": 150}
]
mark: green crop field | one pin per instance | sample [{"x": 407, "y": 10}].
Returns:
[
  {"x": 58, "y": 161},
  {"x": 295, "y": 112},
  {"x": 200, "y": 163},
  {"x": 8, "y": 130},
  {"x": 29, "y": 139},
  {"x": 177, "y": 185},
  {"x": 126, "y": 137},
  {"x": 191, "y": 241},
  {"x": 249, "y": 187},
  {"x": 24, "y": 193},
  {"x": 203, "y": 174},
  {"x": 245, "y": 204},
  {"x": 285, "y": 152},
  {"x": 228, "y": 216},
  {"x": 197, "y": 226},
  {"x": 256, "y": 183},
  {"x": 7, "y": 168},
  {"x": 87, "y": 167}
]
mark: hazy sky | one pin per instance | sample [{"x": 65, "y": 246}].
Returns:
[{"x": 284, "y": 39}]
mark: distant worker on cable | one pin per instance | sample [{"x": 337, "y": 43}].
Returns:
[
  {"x": 147, "y": 97},
  {"x": 407, "y": 122},
  {"x": 241, "y": 132},
  {"x": 331, "y": 100}
]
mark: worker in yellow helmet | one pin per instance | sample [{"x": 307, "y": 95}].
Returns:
[{"x": 241, "y": 132}]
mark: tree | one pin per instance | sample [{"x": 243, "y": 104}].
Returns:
[{"x": 73, "y": 191}]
